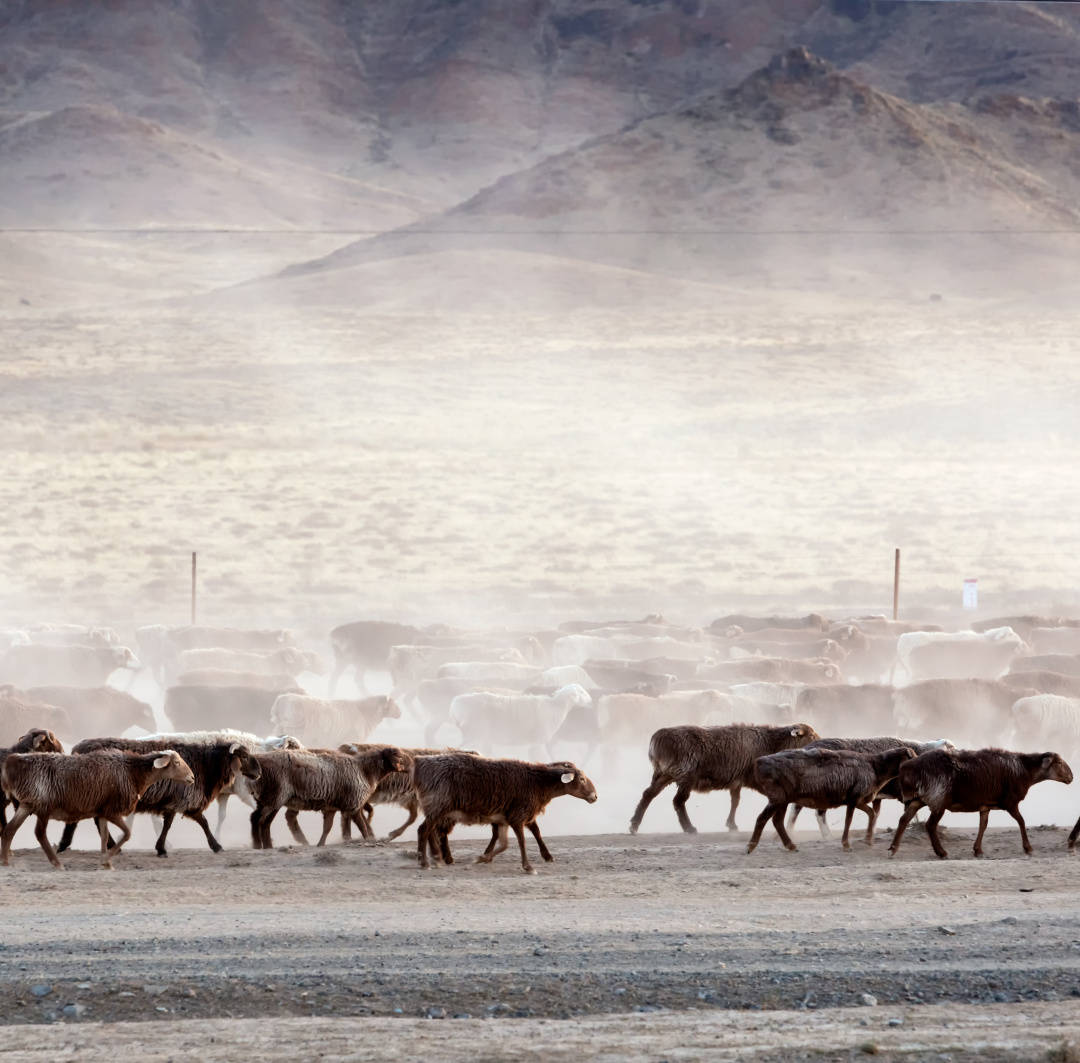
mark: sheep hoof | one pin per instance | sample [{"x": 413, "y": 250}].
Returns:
[
  {"x": 634, "y": 828},
  {"x": 978, "y": 854},
  {"x": 483, "y": 859},
  {"x": 162, "y": 852},
  {"x": 750, "y": 848},
  {"x": 793, "y": 848},
  {"x": 529, "y": 870}
]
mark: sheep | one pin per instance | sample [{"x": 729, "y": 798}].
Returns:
[
  {"x": 627, "y": 718},
  {"x": 434, "y": 697},
  {"x": 364, "y": 645},
  {"x": 288, "y": 661},
  {"x": 577, "y": 649},
  {"x": 840, "y": 709},
  {"x": 1063, "y": 637},
  {"x": 198, "y": 637},
  {"x": 207, "y": 708},
  {"x": 19, "y": 714},
  {"x": 105, "y": 786},
  {"x": 969, "y": 710},
  {"x": 560, "y": 675},
  {"x": 868, "y": 745},
  {"x": 459, "y": 788},
  {"x": 773, "y": 670},
  {"x": 514, "y": 719},
  {"x": 1049, "y": 719},
  {"x": 973, "y": 780},
  {"x": 818, "y": 649},
  {"x": 813, "y": 621},
  {"x": 51, "y": 634},
  {"x": 36, "y": 740},
  {"x": 410, "y": 664},
  {"x": 704, "y": 759},
  {"x": 395, "y": 789},
  {"x": 223, "y": 677},
  {"x": 214, "y": 766},
  {"x": 958, "y": 654},
  {"x": 97, "y": 708},
  {"x": 1061, "y": 663},
  {"x": 319, "y": 721},
  {"x": 252, "y": 743},
  {"x": 322, "y": 780},
  {"x": 506, "y": 672},
  {"x": 822, "y": 779},
  {"x": 1065, "y": 686},
  {"x": 75, "y": 666},
  {"x": 617, "y": 675}
]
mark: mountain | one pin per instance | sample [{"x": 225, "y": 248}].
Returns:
[{"x": 802, "y": 171}]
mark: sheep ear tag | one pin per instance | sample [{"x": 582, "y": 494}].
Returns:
[
  {"x": 234, "y": 749},
  {"x": 161, "y": 761},
  {"x": 795, "y": 732},
  {"x": 567, "y": 776}
]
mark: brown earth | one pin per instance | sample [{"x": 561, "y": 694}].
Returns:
[{"x": 649, "y": 946}]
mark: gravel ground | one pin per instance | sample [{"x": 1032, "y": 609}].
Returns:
[{"x": 662, "y": 946}]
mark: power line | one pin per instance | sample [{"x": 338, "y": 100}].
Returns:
[{"x": 260, "y": 231}]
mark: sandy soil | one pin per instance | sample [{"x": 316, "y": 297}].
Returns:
[
  {"x": 514, "y": 469},
  {"x": 654, "y": 946}
]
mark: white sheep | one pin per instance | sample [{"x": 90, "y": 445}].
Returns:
[
  {"x": 957, "y": 654},
  {"x": 322, "y": 722},
  {"x": 507, "y": 672},
  {"x": 529, "y": 720},
  {"x": 1046, "y": 720}
]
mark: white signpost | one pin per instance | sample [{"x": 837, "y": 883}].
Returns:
[{"x": 971, "y": 594}]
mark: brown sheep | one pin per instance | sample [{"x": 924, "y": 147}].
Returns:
[
  {"x": 868, "y": 745},
  {"x": 973, "y": 780},
  {"x": 822, "y": 779},
  {"x": 213, "y": 765},
  {"x": 34, "y": 741},
  {"x": 395, "y": 789},
  {"x": 18, "y": 714},
  {"x": 97, "y": 709},
  {"x": 703, "y": 759},
  {"x": 317, "y": 780},
  {"x": 461, "y": 788},
  {"x": 209, "y": 708},
  {"x": 105, "y": 786}
]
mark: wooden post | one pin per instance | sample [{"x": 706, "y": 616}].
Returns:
[
  {"x": 193, "y": 588},
  {"x": 895, "y": 587}
]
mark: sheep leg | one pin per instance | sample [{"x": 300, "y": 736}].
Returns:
[
  {"x": 43, "y": 841},
  {"x": 346, "y": 827},
  {"x": 931, "y": 829},
  {"x": 125, "y": 834},
  {"x": 292, "y": 819},
  {"x": 679, "y": 801},
  {"x": 13, "y": 825},
  {"x": 265, "y": 820},
  {"x": 103, "y": 830},
  {"x": 659, "y": 781},
  {"x": 909, "y": 814},
  {"x": 166, "y": 823},
  {"x": 759, "y": 826},
  {"x": 222, "y": 804},
  {"x": 499, "y": 841},
  {"x": 327, "y": 824},
  {"x": 256, "y": 835},
  {"x": 1015, "y": 813},
  {"x": 335, "y": 675},
  {"x": 871, "y": 820},
  {"x": 823, "y": 825},
  {"x": 66, "y": 837},
  {"x": 1075, "y": 834},
  {"x": 984, "y": 818},
  {"x": 778, "y": 823},
  {"x": 736, "y": 793},
  {"x": 849, "y": 814},
  {"x": 525, "y": 865},
  {"x": 414, "y": 811},
  {"x": 422, "y": 833},
  {"x": 3, "y": 811},
  {"x": 198, "y": 817},
  {"x": 535, "y": 828},
  {"x": 444, "y": 844}
]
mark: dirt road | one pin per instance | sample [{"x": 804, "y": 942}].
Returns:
[{"x": 660, "y": 946}]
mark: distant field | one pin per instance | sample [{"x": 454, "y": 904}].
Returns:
[{"x": 329, "y": 464}]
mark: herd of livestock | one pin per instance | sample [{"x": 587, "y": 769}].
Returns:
[{"x": 742, "y": 703}]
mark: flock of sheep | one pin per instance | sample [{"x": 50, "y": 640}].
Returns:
[{"x": 244, "y": 723}]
